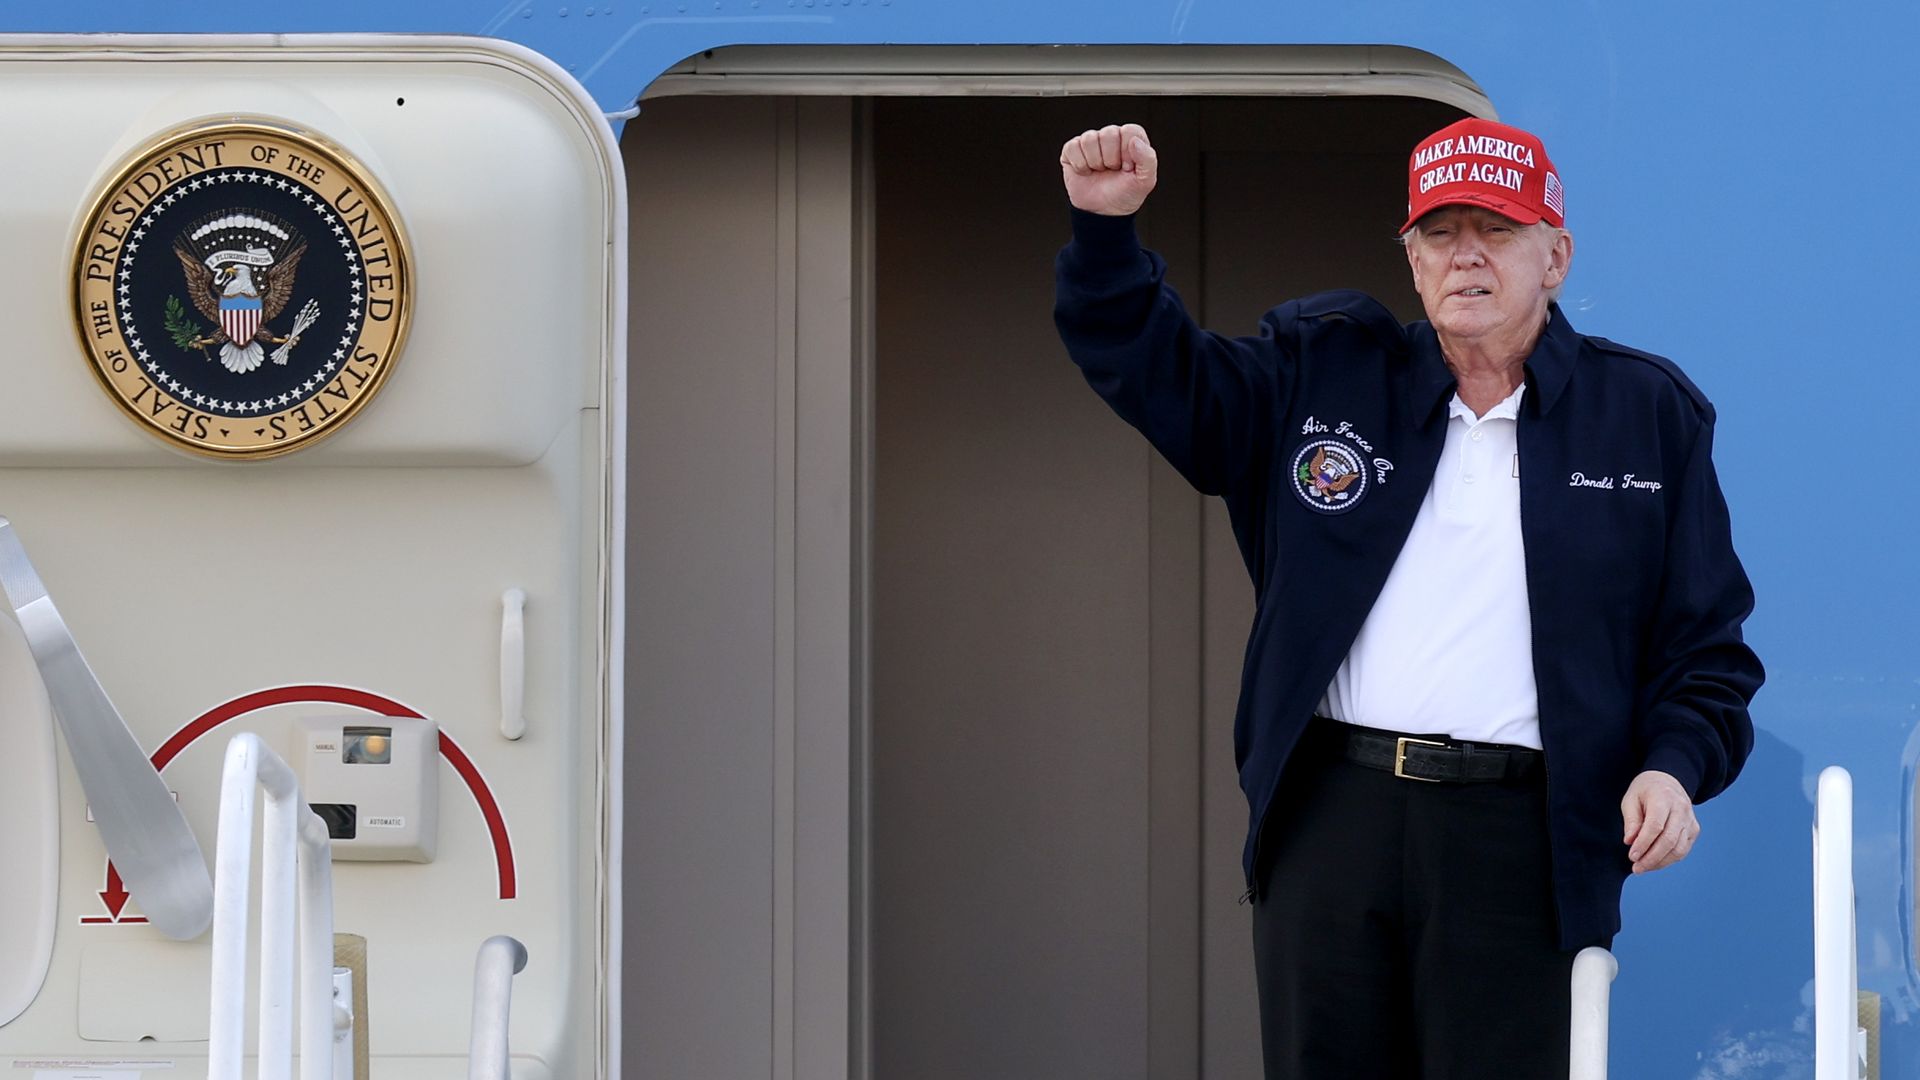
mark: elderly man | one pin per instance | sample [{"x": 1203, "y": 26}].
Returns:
[{"x": 1497, "y": 652}]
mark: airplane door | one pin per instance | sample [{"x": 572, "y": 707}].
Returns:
[{"x": 308, "y": 343}]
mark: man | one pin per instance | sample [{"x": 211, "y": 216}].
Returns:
[{"x": 1496, "y": 656}]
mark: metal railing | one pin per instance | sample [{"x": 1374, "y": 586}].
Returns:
[
  {"x": 500, "y": 959},
  {"x": 292, "y": 834},
  {"x": 146, "y": 834},
  {"x": 1593, "y": 972},
  {"x": 1839, "y": 1047}
]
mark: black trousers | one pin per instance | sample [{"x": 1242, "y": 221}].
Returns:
[{"x": 1406, "y": 929}]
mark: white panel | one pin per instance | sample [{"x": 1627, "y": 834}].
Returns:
[
  {"x": 375, "y": 561},
  {"x": 30, "y": 842},
  {"x": 156, "y": 990},
  {"x": 493, "y": 181}
]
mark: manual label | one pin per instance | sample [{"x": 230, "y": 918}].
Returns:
[{"x": 90, "y": 1068}]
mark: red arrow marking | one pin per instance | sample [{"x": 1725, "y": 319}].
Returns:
[
  {"x": 115, "y": 896},
  {"x": 320, "y": 694}
]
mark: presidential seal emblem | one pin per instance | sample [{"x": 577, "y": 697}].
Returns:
[
  {"x": 242, "y": 289},
  {"x": 1329, "y": 476}
]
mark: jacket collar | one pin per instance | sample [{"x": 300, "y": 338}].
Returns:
[
  {"x": 1431, "y": 383},
  {"x": 1551, "y": 365}
]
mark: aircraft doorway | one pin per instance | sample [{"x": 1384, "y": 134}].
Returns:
[{"x": 931, "y": 662}]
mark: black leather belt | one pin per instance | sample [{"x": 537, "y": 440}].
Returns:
[{"x": 1436, "y": 758}]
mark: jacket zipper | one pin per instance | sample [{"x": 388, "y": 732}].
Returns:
[{"x": 1533, "y": 645}]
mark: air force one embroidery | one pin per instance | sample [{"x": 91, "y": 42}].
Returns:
[
  {"x": 1329, "y": 476},
  {"x": 243, "y": 289}
]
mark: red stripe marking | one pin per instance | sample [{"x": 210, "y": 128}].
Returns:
[
  {"x": 374, "y": 703},
  {"x": 282, "y": 695},
  {"x": 490, "y": 810}
]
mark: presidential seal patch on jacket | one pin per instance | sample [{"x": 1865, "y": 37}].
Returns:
[
  {"x": 242, "y": 289},
  {"x": 1329, "y": 476}
]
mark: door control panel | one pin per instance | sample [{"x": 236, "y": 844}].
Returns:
[{"x": 375, "y": 781}]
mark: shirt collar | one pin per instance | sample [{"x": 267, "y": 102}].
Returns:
[
  {"x": 1508, "y": 409},
  {"x": 1548, "y": 368}
]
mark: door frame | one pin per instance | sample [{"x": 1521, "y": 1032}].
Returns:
[{"x": 823, "y": 543}]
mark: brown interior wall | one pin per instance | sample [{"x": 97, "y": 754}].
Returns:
[
  {"x": 1010, "y": 645},
  {"x": 1057, "y": 621},
  {"x": 703, "y": 176},
  {"x": 1299, "y": 196}
]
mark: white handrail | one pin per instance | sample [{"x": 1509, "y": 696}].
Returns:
[
  {"x": 513, "y": 663},
  {"x": 1593, "y": 972},
  {"x": 1836, "y": 972},
  {"x": 342, "y": 1023},
  {"x": 500, "y": 959},
  {"x": 145, "y": 832},
  {"x": 292, "y": 834}
]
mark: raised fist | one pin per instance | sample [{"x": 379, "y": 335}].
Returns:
[{"x": 1110, "y": 170}]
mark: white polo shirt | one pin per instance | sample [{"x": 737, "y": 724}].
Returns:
[{"x": 1448, "y": 646}]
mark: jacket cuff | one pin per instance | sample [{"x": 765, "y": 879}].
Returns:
[
  {"x": 1105, "y": 246},
  {"x": 1678, "y": 760}
]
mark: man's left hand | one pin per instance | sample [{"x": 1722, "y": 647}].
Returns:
[{"x": 1660, "y": 824}]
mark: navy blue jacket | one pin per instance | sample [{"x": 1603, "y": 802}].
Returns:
[{"x": 1635, "y": 593}]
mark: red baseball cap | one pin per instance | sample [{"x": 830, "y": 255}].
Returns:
[{"x": 1487, "y": 164}]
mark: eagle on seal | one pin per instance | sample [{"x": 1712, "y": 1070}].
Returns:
[
  {"x": 1330, "y": 474},
  {"x": 240, "y": 267}
]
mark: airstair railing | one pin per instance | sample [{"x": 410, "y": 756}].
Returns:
[
  {"x": 1838, "y": 1043},
  {"x": 144, "y": 830},
  {"x": 293, "y": 836},
  {"x": 500, "y": 959},
  {"x": 1593, "y": 972}
]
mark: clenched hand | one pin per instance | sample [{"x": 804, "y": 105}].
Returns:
[{"x": 1109, "y": 170}]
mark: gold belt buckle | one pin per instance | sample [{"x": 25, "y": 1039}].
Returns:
[{"x": 1400, "y": 757}]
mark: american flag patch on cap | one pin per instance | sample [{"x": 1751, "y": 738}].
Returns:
[{"x": 1554, "y": 197}]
